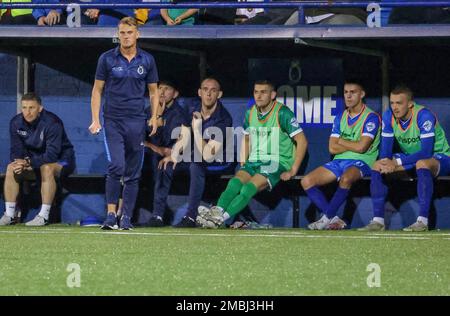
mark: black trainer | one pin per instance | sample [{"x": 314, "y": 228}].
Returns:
[
  {"x": 155, "y": 221},
  {"x": 186, "y": 222}
]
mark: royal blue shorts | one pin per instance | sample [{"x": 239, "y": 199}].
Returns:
[{"x": 339, "y": 166}]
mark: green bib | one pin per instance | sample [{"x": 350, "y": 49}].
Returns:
[
  {"x": 354, "y": 133},
  {"x": 17, "y": 12},
  {"x": 409, "y": 139},
  {"x": 267, "y": 141}
]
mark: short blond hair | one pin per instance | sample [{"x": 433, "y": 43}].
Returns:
[{"x": 129, "y": 21}]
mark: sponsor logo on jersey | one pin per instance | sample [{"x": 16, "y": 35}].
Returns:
[
  {"x": 21, "y": 132},
  {"x": 118, "y": 68},
  {"x": 408, "y": 140}
]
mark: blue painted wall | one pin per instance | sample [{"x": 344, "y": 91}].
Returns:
[{"x": 69, "y": 98}]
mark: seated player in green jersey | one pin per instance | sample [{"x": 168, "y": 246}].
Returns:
[
  {"x": 354, "y": 143},
  {"x": 274, "y": 148},
  {"x": 424, "y": 153}
]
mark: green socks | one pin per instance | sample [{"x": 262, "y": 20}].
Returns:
[
  {"x": 248, "y": 191},
  {"x": 233, "y": 188}
]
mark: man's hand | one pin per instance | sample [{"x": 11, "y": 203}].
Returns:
[
  {"x": 19, "y": 165},
  {"x": 178, "y": 20},
  {"x": 387, "y": 165},
  {"x": 154, "y": 123},
  {"x": 41, "y": 21},
  {"x": 92, "y": 13},
  {"x": 165, "y": 161},
  {"x": 95, "y": 128},
  {"x": 53, "y": 18},
  {"x": 196, "y": 121},
  {"x": 287, "y": 175},
  {"x": 169, "y": 21}
]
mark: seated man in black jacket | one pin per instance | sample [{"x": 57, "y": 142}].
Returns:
[{"x": 41, "y": 150}]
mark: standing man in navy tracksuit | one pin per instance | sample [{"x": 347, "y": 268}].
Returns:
[
  {"x": 39, "y": 149},
  {"x": 123, "y": 74}
]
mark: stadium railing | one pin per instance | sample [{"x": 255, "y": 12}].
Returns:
[{"x": 300, "y": 4}]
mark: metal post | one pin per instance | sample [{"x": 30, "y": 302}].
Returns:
[
  {"x": 295, "y": 211},
  {"x": 23, "y": 68},
  {"x": 385, "y": 81}
]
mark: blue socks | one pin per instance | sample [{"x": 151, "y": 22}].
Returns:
[
  {"x": 378, "y": 191},
  {"x": 318, "y": 198},
  {"x": 338, "y": 198},
  {"x": 425, "y": 188}
]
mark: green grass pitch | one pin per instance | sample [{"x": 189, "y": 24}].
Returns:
[{"x": 168, "y": 261}]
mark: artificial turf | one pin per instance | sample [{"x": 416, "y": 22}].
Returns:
[{"x": 168, "y": 261}]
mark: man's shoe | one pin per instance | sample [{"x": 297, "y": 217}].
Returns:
[
  {"x": 125, "y": 223},
  {"x": 202, "y": 210},
  {"x": 205, "y": 223},
  {"x": 6, "y": 220},
  {"x": 155, "y": 221},
  {"x": 336, "y": 224},
  {"x": 416, "y": 227},
  {"x": 373, "y": 226},
  {"x": 37, "y": 221},
  {"x": 321, "y": 224},
  {"x": 110, "y": 222},
  {"x": 186, "y": 222}
]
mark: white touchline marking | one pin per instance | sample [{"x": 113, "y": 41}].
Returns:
[{"x": 270, "y": 235}]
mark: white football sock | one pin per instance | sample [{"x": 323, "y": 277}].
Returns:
[
  {"x": 45, "y": 211},
  {"x": 423, "y": 220},
  {"x": 10, "y": 209}
]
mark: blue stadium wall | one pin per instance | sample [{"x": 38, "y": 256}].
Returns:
[{"x": 69, "y": 97}]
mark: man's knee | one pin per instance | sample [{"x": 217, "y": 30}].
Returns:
[
  {"x": 423, "y": 164},
  {"x": 48, "y": 170},
  {"x": 307, "y": 182},
  {"x": 346, "y": 181},
  {"x": 116, "y": 170}
]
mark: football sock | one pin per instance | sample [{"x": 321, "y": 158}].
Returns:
[
  {"x": 338, "y": 198},
  {"x": 239, "y": 202},
  {"x": 378, "y": 191},
  {"x": 45, "y": 211},
  {"x": 10, "y": 208},
  {"x": 232, "y": 190},
  {"x": 318, "y": 198},
  {"x": 423, "y": 220},
  {"x": 424, "y": 191}
]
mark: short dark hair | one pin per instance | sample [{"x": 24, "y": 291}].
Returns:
[
  {"x": 354, "y": 81},
  {"x": 167, "y": 82},
  {"x": 402, "y": 88},
  {"x": 211, "y": 78},
  {"x": 266, "y": 82},
  {"x": 31, "y": 96}
]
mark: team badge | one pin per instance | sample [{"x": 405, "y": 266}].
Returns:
[
  {"x": 427, "y": 126},
  {"x": 294, "y": 122},
  {"x": 140, "y": 70},
  {"x": 370, "y": 126}
]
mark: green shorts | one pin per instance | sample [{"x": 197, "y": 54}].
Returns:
[{"x": 271, "y": 172}]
